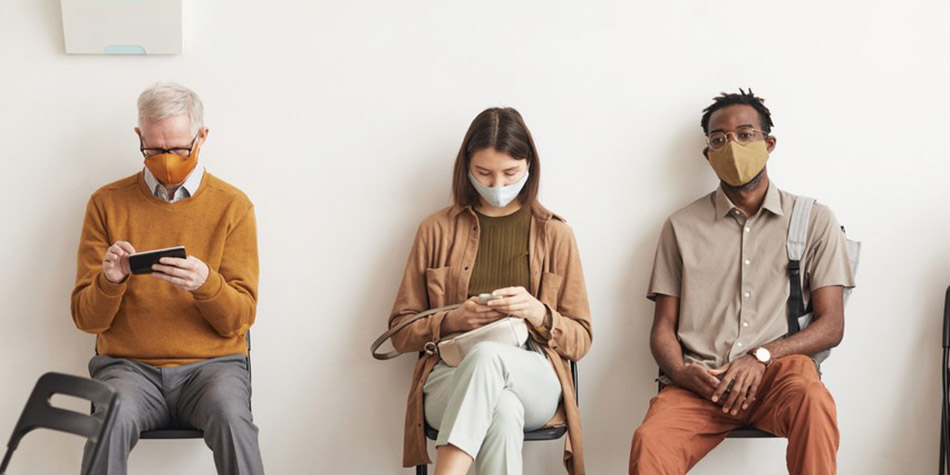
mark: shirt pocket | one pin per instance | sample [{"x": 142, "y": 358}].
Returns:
[
  {"x": 550, "y": 289},
  {"x": 438, "y": 285}
]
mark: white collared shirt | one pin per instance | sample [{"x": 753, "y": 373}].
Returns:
[{"x": 186, "y": 190}]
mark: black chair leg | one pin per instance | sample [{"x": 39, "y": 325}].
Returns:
[
  {"x": 6, "y": 461},
  {"x": 943, "y": 442},
  {"x": 422, "y": 469},
  {"x": 944, "y": 414}
]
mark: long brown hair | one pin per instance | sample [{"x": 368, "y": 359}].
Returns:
[{"x": 502, "y": 129}]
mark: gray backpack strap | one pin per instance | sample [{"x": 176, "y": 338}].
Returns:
[
  {"x": 798, "y": 228},
  {"x": 854, "y": 255},
  {"x": 795, "y": 244},
  {"x": 798, "y": 316}
]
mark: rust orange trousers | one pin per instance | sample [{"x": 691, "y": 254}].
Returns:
[{"x": 681, "y": 427}]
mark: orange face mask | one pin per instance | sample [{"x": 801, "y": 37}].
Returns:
[{"x": 171, "y": 168}]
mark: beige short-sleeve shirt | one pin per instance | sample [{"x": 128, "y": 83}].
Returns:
[{"x": 730, "y": 272}]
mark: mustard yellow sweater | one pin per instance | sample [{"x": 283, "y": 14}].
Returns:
[{"x": 149, "y": 320}]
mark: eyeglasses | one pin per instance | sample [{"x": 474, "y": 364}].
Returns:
[
  {"x": 182, "y": 152},
  {"x": 743, "y": 136}
]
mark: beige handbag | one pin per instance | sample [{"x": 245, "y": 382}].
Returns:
[{"x": 453, "y": 348}]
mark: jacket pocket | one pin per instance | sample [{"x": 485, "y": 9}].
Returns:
[
  {"x": 437, "y": 285},
  {"x": 550, "y": 289}
]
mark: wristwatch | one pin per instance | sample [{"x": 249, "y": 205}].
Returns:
[{"x": 763, "y": 355}]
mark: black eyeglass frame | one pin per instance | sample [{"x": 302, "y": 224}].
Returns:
[{"x": 152, "y": 151}]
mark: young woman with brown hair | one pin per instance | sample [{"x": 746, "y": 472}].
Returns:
[{"x": 495, "y": 239}]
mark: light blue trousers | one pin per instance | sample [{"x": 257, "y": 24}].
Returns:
[{"x": 484, "y": 405}]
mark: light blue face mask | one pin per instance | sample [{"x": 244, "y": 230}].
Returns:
[{"x": 499, "y": 196}]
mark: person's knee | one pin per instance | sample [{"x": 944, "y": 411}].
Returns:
[
  {"x": 810, "y": 396},
  {"x": 645, "y": 445},
  {"x": 645, "y": 437},
  {"x": 815, "y": 393},
  {"x": 229, "y": 415},
  {"x": 129, "y": 417},
  {"x": 225, "y": 414},
  {"x": 508, "y": 415},
  {"x": 125, "y": 424}
]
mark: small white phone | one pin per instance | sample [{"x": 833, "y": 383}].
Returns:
[{"x": 485, "y": 298}]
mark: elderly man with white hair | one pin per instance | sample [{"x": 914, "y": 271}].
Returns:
[{"x": 171, "y": 340}]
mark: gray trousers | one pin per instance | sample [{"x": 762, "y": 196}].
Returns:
[
  {"x": 484, "y": 405},
  {"x": 212, "y": 395}
]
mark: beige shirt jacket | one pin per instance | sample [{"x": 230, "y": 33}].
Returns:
[
  {"x": 438, "y": 273},
  {"x": 730, "y": 272}
]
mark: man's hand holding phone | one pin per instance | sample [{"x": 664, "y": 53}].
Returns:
[
  {"x": 171, "y": 265},
  {"x": 186, "y": 274}
]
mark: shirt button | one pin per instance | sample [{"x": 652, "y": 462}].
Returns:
[
  {"x": 747, "y": 294},
  {"x": 747, "y": 262},
  {"x": 747, "y": 229},
  {"x": 739, "y": 344},
  {"x": 745, "y": 324}
]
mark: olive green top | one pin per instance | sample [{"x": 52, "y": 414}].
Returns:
[{"x": 502, "y": 259}]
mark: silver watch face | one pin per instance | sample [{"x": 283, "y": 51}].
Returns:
[{"x": 762, "y": 355}]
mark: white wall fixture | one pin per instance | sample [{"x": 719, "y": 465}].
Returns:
[{"x": 122, "y": 26}]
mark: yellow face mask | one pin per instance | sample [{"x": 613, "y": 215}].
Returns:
[
  {"x": 738, "y": 164},
  {"x": 171, "y": 168}
]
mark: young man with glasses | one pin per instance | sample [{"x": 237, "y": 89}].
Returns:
[
  {"x": 172, "y": 341},
  {"x": 721, "y": 285}
]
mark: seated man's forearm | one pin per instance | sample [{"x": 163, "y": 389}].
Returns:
[
  {"x": 825, "y": 332},
  {"x": 821, "y": 335},
  {"x": 666, "y": 351}
]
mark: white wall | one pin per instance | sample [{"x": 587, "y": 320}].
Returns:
[{"x": 341, "y": 119}]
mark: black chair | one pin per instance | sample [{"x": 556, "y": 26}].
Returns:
[
  {"x": 744, "y": 432},
  {"x": 188, "y": 432},
  {"x": 38, "y": 413},
  {"x": 550, "y": 433},
  {"x": 945, "y": 383}
]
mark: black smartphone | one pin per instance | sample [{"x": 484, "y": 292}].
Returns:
[{"x": 142, "y": 262}]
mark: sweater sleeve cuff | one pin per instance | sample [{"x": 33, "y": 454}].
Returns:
[
  {"x": 108, "y": 288},
  {"x": 436, "y": 320},
  {"x": 210, "y": 288},
  {"x": 555, "y": 327}
]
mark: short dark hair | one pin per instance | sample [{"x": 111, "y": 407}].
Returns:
[
  {"x": 742, "y": 98},
  {"x": 502, "y": 129}
]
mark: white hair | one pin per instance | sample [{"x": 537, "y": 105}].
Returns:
[{"x": 168, "y": 99}]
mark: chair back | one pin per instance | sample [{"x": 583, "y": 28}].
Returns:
[{"x": 38, "y": 412}]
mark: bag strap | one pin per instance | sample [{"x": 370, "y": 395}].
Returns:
[
  {"x": 797, "y": 237},
  {"x": 395, "y": 329}
]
